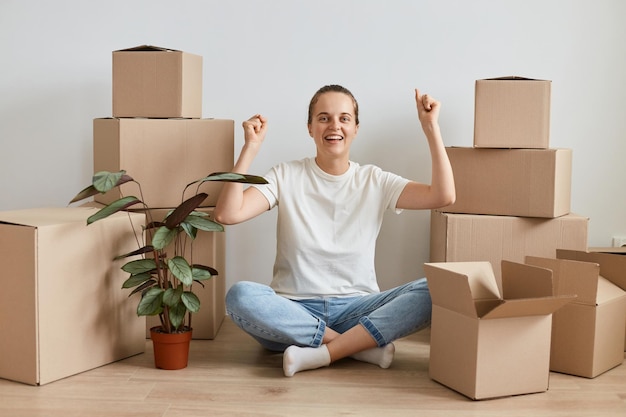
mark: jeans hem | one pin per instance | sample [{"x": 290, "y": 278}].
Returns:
[{"x": 373, "y": 331}]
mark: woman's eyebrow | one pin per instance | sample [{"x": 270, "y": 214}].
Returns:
[{"x": 324, "y": 113}]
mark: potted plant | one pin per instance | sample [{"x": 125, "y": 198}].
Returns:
[{"x": 164, "y": 276}]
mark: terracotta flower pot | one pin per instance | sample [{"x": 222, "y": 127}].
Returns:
[{"x": 171, "y": 350}]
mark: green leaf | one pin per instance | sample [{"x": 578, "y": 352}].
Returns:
[
  {"x": 112, "y": 208},
  {"x": 86, "y": 192},
  {"x": 177, "y": 315},
  {"x": 148, "y": 284},
  {"x": 200, "y": 274},
  {"x": 102, "y": 178},
  {"x": 104, "y": 181},
  {"x": 179, "y": 267},
  {"x": 175, "y": 218},
  {"x": 136, "y": 279},
  {"x": 140, "y": 251},
  {"x": 139, "y": 266},
  {"x": 233, "y": 177},
  {"x": 191, "y": 231},
  {"x": 171, "y": 297},
  {"x": 151, "y": 302},
  {"x": 191, "y": 301},
  {"x": 203, "y": 223},
  {"x": 211, "y": 271},
  {"x": 163, "y": 237}
]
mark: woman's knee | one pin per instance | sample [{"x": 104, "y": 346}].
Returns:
[
  {"x": 419, "y": 289},
  {"x": 421, "y": 302},
  {"x": 244, "y": 294}
]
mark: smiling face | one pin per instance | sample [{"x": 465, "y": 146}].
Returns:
[{"x": 333, "y": 125}]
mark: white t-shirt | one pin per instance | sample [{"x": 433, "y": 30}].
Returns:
[{"x": 327, "y": 227}]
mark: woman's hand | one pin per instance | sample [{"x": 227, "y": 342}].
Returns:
[
  {"x": 427, "y": 108},
  {"x": 254, "y": 129}
]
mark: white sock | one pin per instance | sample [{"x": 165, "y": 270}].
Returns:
[
  {"x": 296, "y": 359},
  {"x": 381, "y": 356}
]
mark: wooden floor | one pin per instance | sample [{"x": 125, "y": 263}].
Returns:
[{"x": 233, "y": 376}]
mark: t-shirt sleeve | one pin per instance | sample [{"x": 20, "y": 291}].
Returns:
[
  {"x": 397, "y": 186},
  {"x": 269, "y": 190}
]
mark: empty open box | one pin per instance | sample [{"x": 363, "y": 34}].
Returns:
[
  {"x": 612, "y": 266},
  {"x": 587, "y": 335},
  {"x": 491, "y": 338}
]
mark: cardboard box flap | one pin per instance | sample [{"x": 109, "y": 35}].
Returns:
[
  {"x": 612, "y": 266},
  {"x": 456, "y": 285},
  {"x": 528, "y": 307},
  {"x": 147, "y": 48},
  {"x": 572, "y": 277},
  {"x": 40, "y": 217},
  {"x": 607, "y": 291},
  {"x": 449, "y": 290},
  {"x": 525, "y": 281},
  {"x": 610, "y": 249}
]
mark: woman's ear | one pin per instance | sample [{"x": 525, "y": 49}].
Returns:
[{"x": 308, "y": 127}]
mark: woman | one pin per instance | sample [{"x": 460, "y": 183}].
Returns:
[{"x": 324, "y": 303}]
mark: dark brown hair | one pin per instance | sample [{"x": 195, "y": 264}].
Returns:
[{"x": 336, "y": 89}]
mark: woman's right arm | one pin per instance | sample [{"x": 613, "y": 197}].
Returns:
[{"x": 235, "y": 205}]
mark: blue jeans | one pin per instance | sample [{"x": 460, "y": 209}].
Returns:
[{"x": 277, "y": 322}]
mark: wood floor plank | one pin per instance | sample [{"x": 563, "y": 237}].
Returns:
[{"x": 233, "y": 376}]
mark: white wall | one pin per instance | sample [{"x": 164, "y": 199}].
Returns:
[{"x": 271, "y": 56}]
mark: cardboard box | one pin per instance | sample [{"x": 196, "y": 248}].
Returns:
[
  {"x": 208, "y": 249},
  {"x": 491, "y": 338},
  {"x": 163, "y": 155},
  {"x": 587, "y": 333},
  {"x": 62, "y": 311},
  {"x": 608, "y": 249},
  {"x": 149, "y": 81},
  {"x": 612, "y": 266},
  {"x": 512, "y": 112},
  {"x": 511, "y": 182},
  {"x": 472, "y": 237}
]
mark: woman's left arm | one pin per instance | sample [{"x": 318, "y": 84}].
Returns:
[{"x": 441, "y": 192}]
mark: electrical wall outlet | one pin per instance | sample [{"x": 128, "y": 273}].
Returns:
[{"x": 619, "y": 241}]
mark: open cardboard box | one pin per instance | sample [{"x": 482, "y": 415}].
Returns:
[
  {"x": 62, "y": 310},
  {"x": 491, "y": 338},
  {"x": 586, "y": 333},
  {"x": 612, "y": 266}
]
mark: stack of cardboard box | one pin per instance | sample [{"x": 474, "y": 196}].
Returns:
[
  {"x": 158, "y": 136},
  {"x": 513, "y": 190},
  {"x": 513, "y": 206},
  {"x": 63, "y": 310}
]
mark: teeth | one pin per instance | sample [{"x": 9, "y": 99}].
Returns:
[{"x": 333, "y": 138}]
